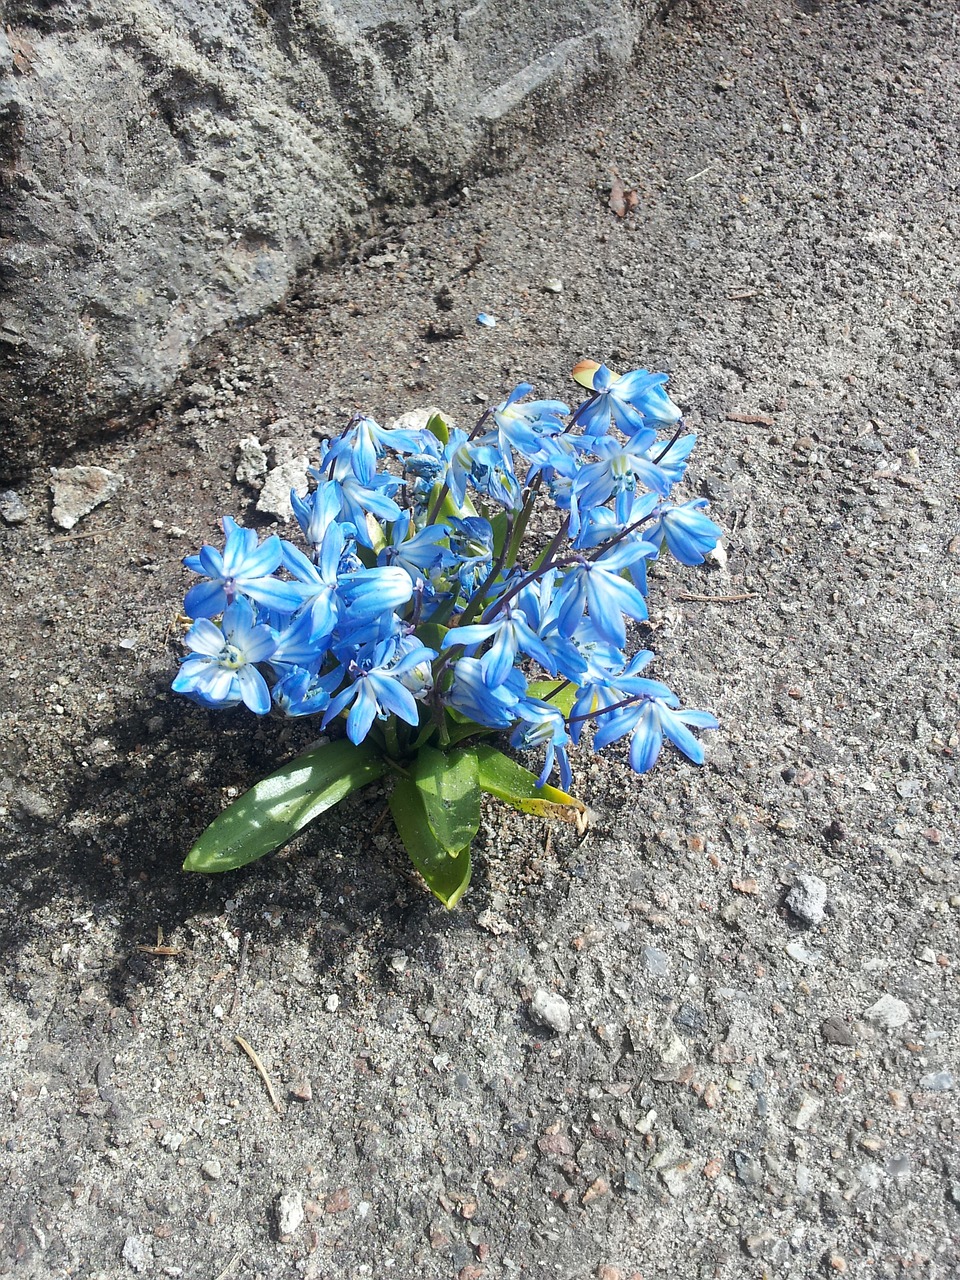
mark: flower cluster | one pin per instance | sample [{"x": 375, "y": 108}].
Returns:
[{"x": 419, "y": 610}]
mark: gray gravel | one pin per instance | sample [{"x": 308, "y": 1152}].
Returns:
[{"x": 741, "y": 1092}]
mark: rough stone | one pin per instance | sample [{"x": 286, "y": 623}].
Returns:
[
  {"x": 136, "y": 1254},
  {"x": 290, "y": 1212},
  {"x": 807, "y": 899},
  {"x": 289, "y": 473},
  {"x": 170, "y": 166},
  {"x": 78, "y": 490},
  {"x": 888, "y": 1012},
  {"x": 251, "y": 462},
  {"x": 938, "y": 1081},
  {"x": 550, "y": 1010},
  {"x": 12, "y": 510}
]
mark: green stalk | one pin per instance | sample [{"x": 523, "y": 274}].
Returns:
[{"x": 523, "y": 520}]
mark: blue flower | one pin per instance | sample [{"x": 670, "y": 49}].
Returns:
[
  {"x": 646, "y": 393},
  {"x": 672, "y": 458},
  {"x": 524, "y": 426},
  {"x": 317, "y": 511},
  {"x": 491, "y": 473},
  {"x": 689, "y": 534},
  {"x": 371, "y": 592},
  {"x": 299, "y": 693},
  {"x": 319, "y": 581},
  {"x": 220, "y": 671},
  {"x": 617, "y": 473},
  {"x": 628, "y": 400},
  {"x": 513, "y": 634},
  {"x": 608, "y": 682},
  {"x": 458, "y": 456},
  {"x": 357, "y": 497},
  {"x": 376, "y": 690},
  {"x": 301, "y": 643},
  {"x": 596, "y": 585},
  {"x": 657, "y": 715},
  {"x": 658, "y": 720},
  {"x": 542, "y": 725},
  {"x": 243, "y": 569},
  {"x": 492, "y": 705},
  {"x": 426, "y": 469},
  {"x": 370, "y": 442},
  {"x": 421, "y": 552},
  {"x": 471, "y": 541}
]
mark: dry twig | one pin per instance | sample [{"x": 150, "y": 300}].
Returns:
[
  {"x": 790, "y": 103},
  {"x": 690, "y": 595},
  {"x": 251, "y": 1053},
  {"x": 229, "y": 1267},
  {"x": 160, "y": 949},
  {"x": 751, "y": 419}
]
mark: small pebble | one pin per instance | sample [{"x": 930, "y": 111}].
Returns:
[
  {"x": 251, "y": 462},
  {"x": 835, "y": 1031},
  {"x": 758, "y": 1244},
  {"x": 909, "y": 788},
  {"x": 550, "y": 1010},
  {"x": 12, "y": 509},
  {"x": 332, "y": 1003},
  {"x": 796, "y": 951},
  {"x": 809, "y": 1106},
  {"x": 599, "y": 1187},
  {"x": 657, "y": 962},
  {"x": 748, "y": 1169},
  {"x": 553, "y": 284},
  {"x": 337, "y": 1201},
  {"x": 290, "y": 1212},
  {"x": 807, "y": 899},
  {"x": 136, "y": 1254},
  {"x": 888, "y": 1012},
  {"x": 675, "y": 1177},
  {"x": 78, "y": 490},
  {"x": 212, "y": 1170},
  {"x": 938, "y": 1081},
  {"x": 494, "y": 923}
]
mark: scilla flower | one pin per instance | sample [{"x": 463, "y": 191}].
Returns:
[
  {"x": 220, "y": 671},
  {"x": 688, "y": 533}
]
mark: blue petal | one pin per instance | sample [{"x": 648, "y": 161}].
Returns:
[
  {"x": 681, "y": 737},
  {"x": 205, "y": 600},
  {"x": 362, "y": 714},
  {"x": 253, "y": 689},
  {"x": 647, "y": 740}
]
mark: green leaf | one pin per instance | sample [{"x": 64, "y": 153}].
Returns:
[
  {"x": 449, "y": 788},
  {"x": 448, "y": 509},
  {"x": 499, "y": 526},
  {"x": 431, "y": 634},
  {"x": 564, "y": 699},
  {"x": 275, "y": 809},
  {"x": 504, "y": 778},
  {"x": 437, "y": 426},
  {"x": 459, "y": 727},
  {"x": 446, "y": 877}
]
